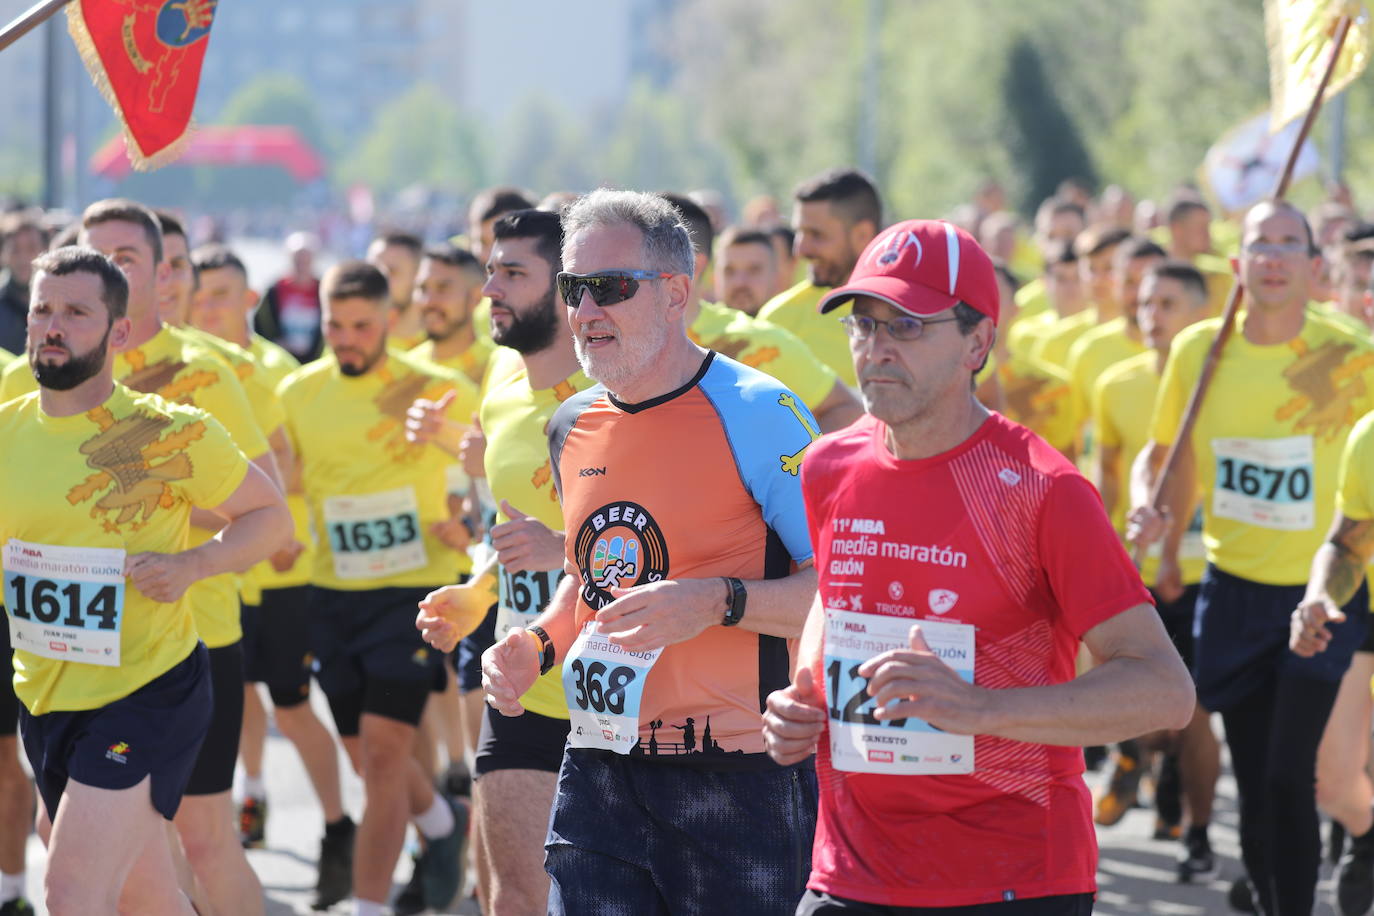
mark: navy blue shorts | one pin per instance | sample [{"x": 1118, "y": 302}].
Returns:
[
  {"x": 156, "y": 732},
  {"x": 9, "y": 700},
  {"x": 467, "y": 658},
  {"x": 276, "y": 644},
  {"x": 214, "y": 769},
  {"x": 1177, "y": 617},
  {"x": 633, "y": 836},
  {"x": 1241, "y": 638},
  {"x": 369, "y": 656}
]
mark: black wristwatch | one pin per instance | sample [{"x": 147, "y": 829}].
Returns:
[
  {"x": 734, "y": 611},
  {"x": 545, "y": 649}
]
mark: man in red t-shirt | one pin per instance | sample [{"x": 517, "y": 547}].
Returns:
[{"x": 948, "y": 751}]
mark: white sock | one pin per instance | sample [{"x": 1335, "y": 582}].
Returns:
[
  {"x": 11, "y": 886},
  {"x": 367, "y": 908},
  {"x": 254, "y": 787},
  {"x": 437, "y": 821}
]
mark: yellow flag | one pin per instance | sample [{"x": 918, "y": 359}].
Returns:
[{"x": 1301, "y": 35}]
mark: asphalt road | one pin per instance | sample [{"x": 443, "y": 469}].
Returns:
[{"x": 1135, "y": 875}]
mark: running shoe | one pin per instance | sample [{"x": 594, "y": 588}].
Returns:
[
  {"x": 1164, "y": 830},
  {"x": 456, "y": 782},
  {"x": 1197, "y": 861},
  {"x": 335, "y": 882},
  {"x": 1122, "y": 788},
  {"x": 1241, "y": 896},
  {"x": 411, "y": 900},
  {"x": 441, "y": 863},
  {"x": 18, "y": 906},
  {"x": 1335, "y": 842},
  {"x": 1169, "y": 796},
  {"x": 253, "y": 822},
  {"x": 1355, "y": 877}
]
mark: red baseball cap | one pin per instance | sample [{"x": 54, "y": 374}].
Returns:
[{"x": 922, "y": 266}]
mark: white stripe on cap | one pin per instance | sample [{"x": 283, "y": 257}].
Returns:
[{"x": 952, "y": 242}]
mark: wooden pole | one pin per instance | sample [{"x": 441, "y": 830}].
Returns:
[
  {"x": 30, "y": 20},
  {"x": 1228, "y": 318}
]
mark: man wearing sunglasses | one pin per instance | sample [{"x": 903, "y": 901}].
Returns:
[
  {"x": 935, "y": 511},
  {"x": 688, "y": 572}
]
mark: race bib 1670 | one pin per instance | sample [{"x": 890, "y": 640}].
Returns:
[{"x": 1265, "y": 482}]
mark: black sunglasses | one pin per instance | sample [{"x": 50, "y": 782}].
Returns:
[{"x": 607, "y": 287}]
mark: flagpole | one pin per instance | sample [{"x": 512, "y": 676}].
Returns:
[
  {"x": 28, "y": 21},
  {"x": 1228, "y": 318}
]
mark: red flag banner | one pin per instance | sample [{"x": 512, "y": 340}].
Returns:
[{"x": 145, "y": 58}]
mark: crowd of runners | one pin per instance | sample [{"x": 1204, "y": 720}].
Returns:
[{"x": 654, "y": 562}]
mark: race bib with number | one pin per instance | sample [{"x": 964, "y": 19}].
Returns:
[
  {"x": 65, "y": 603},
  {"x": 1190, "y": 546},
  {"x": 604, "y": 685},
  {"x": 1265, "y": 482},
  {"x": 375, "y": 535},
  {"x": 861, "y": 743},
  {"x": 523, "y": 596}
]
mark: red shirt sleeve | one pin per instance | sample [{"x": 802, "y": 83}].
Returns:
[{"x": 1089, "y": 573}]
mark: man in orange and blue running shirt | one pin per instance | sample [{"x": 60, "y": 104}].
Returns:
[
  {"x": 961, "y": 560},
  {"x": 689, "y": 572}
]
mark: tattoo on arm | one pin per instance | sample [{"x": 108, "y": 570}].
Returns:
[{"x": 1353, "y": 543}]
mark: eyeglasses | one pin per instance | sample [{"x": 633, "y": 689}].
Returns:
[
  {"x": 1276, "y": 249},
  {"x": 607, "y": 286},
  {"x": 903, "y": 327}
]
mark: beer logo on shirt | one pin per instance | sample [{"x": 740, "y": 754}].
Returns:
[
  {"x": 618, "y": 546},
  {"x": 122, "y": 454}
]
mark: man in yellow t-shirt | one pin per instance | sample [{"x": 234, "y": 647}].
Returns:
[
  {"x": 1116, "y": 338},
  {"x": 757, "y": 343},
  {"x": 397, "y": 256},
  {"x": 518, "y": 757},
  {"x": 1265, "y": 450},
  {"x": 276, "y": 623},
  {"x": 1063, "y": 287},
  {"x": 1350, "y": 273},
  {"x": 1172, "y": 296},
  {"x": 1096, "y": 248},
  {"x": 156, "y": 360},
  {"x": 1023, "y": 388},
  {"x": 1190, "y": 237},
  {"x": 176, "y": 289},
  {"x": 448, "y": 289},
  {"x": 114, "y": 681},
  {"x": 1343, "y": 786},
  {"x": 378, "y": 504},
  {"x": 746, "y": 269},
  {"x": 835, "y": 215}
]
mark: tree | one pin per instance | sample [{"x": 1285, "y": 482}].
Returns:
[
  {"x": 1041, "y": 135},
  {"x": 270, "y": 99},
  {"x": 419, "y": 138}
]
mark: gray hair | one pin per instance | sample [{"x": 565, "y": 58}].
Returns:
[{"x": 667, "y": 244}]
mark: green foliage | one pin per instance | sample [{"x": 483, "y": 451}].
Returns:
[
  {"x": 1041, "y": 135},
  {"x": 419, "y": 138},
  {"x": 280, "y": 99}
]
